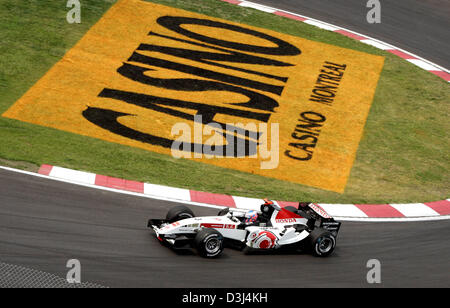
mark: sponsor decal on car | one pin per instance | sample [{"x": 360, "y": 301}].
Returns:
[
  {"x": 171, "y": 226},
  {"x": 218, "y": 226},
  {"x": 286, "y": 220},
  {"x": 285, "y": 216},
  {"x": 263, "y": 240},
  {"x": 319, "y": 210}
]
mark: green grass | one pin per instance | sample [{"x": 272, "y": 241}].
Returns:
[{"x": 403, "y": 156}]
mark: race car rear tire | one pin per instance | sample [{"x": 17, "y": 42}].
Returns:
[
  {"x": 178, "y": 213},
  {"x": 322, "y": 242},
  {"x": 209, "y": 243}
]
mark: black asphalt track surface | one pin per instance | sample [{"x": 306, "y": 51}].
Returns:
[
  {"x": 418, "y": 26},
  {"x": 44, "y": 223}
]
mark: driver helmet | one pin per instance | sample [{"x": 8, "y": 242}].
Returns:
[{"x": 251, "y": 217}]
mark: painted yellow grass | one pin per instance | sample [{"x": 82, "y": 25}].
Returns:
[{"x": 143, "y": 68}]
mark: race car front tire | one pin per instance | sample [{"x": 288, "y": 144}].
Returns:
[
  {"x": 209, "y": 243},
  {"x": 322, "y": 242},
  {"x": 178, "y": 213}
]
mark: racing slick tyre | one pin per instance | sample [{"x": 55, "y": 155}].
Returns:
[
  {"x": 178, "y": 213},
  {"x": 322, "y": 242},
  {"x": 209, "y": 243}
]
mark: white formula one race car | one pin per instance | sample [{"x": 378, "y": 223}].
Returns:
[{"x": 306, "y": 228}]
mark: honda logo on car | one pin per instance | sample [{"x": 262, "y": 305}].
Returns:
[{"x": 286, "y": 220}]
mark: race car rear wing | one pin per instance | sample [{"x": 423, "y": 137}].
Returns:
[{"x": 318, "y": 217}]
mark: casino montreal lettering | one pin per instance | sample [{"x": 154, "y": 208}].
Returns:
[
  {"x": 306, "y": 136},
  {"x": 258, "y": 107}
]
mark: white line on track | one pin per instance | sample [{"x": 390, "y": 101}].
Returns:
[{"x": 350, "y": 219}]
